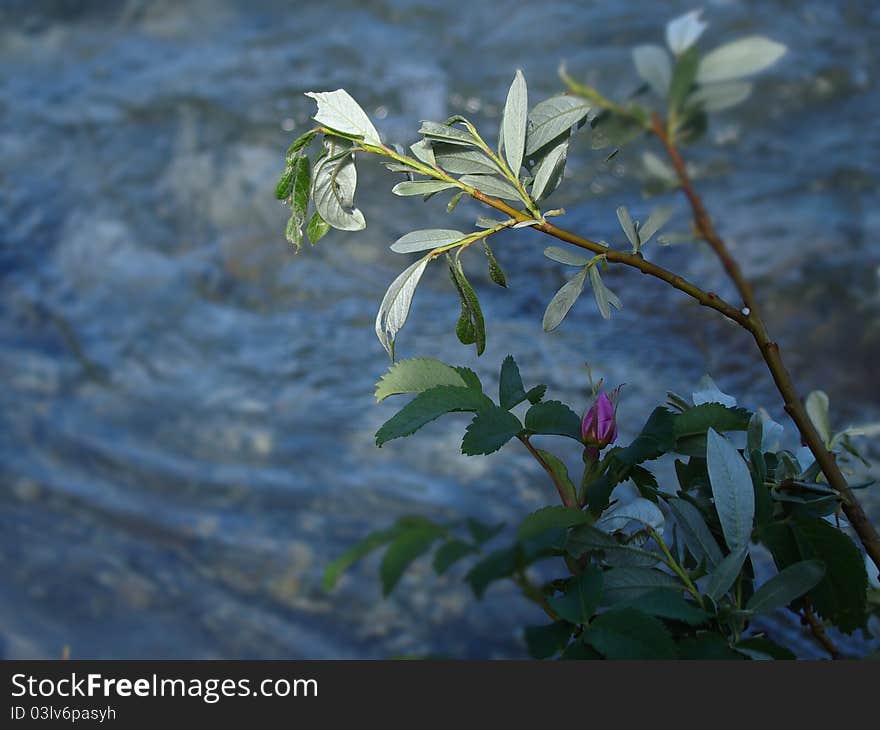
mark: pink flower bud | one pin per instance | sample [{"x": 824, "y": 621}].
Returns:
[{"x": 599, "y": 427}]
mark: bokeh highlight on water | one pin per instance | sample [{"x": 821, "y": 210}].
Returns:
[{"x": 186, "y": 417}]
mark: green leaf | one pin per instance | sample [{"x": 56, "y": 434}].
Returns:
[
  {"x": 449, "y": 553},
  {"x": 552, "y": 118},
  {"x": 755, "y": 434},
  {"x": 299, "y": 143},
  {"x": 668, "y": 605},
  {"x": 548, "y": 519},
  {"x": 333, "y": 187},
  {"x": 659, "y": 217},
  {"x": 628, "y": 227},
  {"x": 698, "y": 420},
  {"x": 548, "y": 172},
  {"x": 470, "y": 378},
  {"x": 682, "y": 32},
  {"x": 787, "y": 585},
  {"x": 656, "y": 438},
  {"x": 708, "y": 392},
  {"x": 817, "y": 406},
  {"x": 285, "y": 184},
  {"x": 317, "y": 228},
  {"x": 724, "y": 576},
  {"x": 628, "y": 582},
  {"x": 426, "y": 240},
  {"x": 564, "y": 256},
  {"x": 483, "y": 221},
  {"x": 511, "y": 390},
  {"x": 577, "y": 650},
  {"x": 428, "y": 406},
  {"x": 715, "y": 97},
  {"x": 779, "y": 539},
  {"x": 417, "y": 375},
  {"x": 371, "y": 542},
  {"x": 707, "y": 646},
  {"x": 553, "y": 418},
  {"x": 587, "y": 538},
  {"x": 471, "y": 327},
  {"x": 683, "y": 76},
  {"x": 740, "y": 58},
  {"x": 302, "y": 181},
  {"x": 667, "y": 176},
  {"x": 447, "y": 133},
  {"x": 293, "y": 232},
  {"x": 481, "y": 532},
  {"x": 421, "y": 187},
  {"x": 759, "y": 648},
  {"x": 458, "y": 160},
  {"x": 394, "y": 309},
  {"x": 654, "y": 67},
  {"x": 489, "y": 431},
  {"x": 580, "y": 598},
  {"x": 514, "y": 120},
  {"x": 598, "y": 493},
  {"x": 424, "y": 152},
  {"x": 732, "y": 490},
  {"x": 640, "y": 510},
  {"x": 407, "y": 546},
  {"x": 495, "y": 566},
  {"x": 563, "y": 301},
  {"x": 560, "y": 472},
  {"x": 534, "y": 395},
  {"x": 454, "y": 201},
  {"x": 491, "y": 185},
  {"x": 336, "y": 109},
  {"x": 545, "y": 641},
  {"x": 695, "y": 532},
  {"x": 605, "y": 298},
  {"x": 629, "y": 634},
  {"x": 496, "y": 273},
  {"x": 840, "y": 597},
  {"x": 546, "y": 528}
]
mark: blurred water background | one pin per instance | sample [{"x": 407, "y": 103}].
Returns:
[{"x": 186, "y": 413}]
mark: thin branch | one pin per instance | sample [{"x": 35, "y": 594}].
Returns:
[
  {"x": 701, "y": 217},
  {"x": 770, "y": 352},
  {"x": 563, "y": 492},
  {"x": 670, "y": 561},
  {"x": 818, "y": 630},
  {"x": 636, "y": 261}
]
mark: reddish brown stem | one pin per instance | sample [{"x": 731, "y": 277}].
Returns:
[
  {"x": 563, "y": 492},
  {"x": 701, "y": 217},
  {"x": 770, "y": 352},
  {"x": 818, "y": 630}
]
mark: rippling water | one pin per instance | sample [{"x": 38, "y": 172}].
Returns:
[{"x": 186, "y": 416}]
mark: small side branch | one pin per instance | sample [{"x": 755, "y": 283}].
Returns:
[
  {"x": 769, "y": 350},
  {"x": 563, "y": 492},
  {"x": 635, "y": 261},
  {"x": 701, "y": 217},
  {"x": 818, "y": 630}
]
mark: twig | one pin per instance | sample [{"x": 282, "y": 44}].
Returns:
[
  {"x": 563, "y": 492},
  {"x": 818, "y": 630},
  {"x": 701, "y": 217},
  {"x": 636, "y": 261},
  {"x": 770, "y": 352}
]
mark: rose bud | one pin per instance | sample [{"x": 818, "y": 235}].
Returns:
[{"x": 599, "y": 427}]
